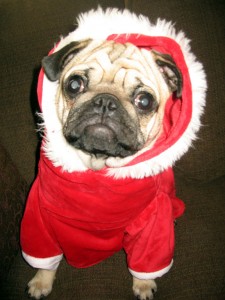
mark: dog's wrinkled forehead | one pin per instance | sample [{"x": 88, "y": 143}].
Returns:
[
  {"x": 116, "y": 63},
  {"x": 123, "y": 64}
]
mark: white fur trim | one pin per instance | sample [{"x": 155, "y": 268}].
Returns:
[
  {"x": 103, "y": 24},
  {"x": 49, "y": 263},
  {"x": 152, "y": 275}
]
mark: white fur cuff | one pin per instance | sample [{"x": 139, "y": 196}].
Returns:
[
  {"x": 49, "y": 263},
  {"x": 152, "y": 275}
]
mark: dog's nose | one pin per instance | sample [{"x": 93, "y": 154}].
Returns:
[{"x": 105, "y": 104}]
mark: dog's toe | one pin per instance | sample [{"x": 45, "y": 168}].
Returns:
[
  {"x": 36, "y": 290},
  {"x": 144, "y": 289}
]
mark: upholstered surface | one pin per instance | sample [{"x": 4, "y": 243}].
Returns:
[
  {"x": 28, "y": 30},
  {"x": 13, "y": 191}
]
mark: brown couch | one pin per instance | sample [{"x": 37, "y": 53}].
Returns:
[{"x": 28, "y": 31}]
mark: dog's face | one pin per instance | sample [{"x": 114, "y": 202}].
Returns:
[{"x": 111, "y": 96}]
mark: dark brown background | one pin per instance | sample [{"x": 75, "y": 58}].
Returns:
[{"x": 28, "y": 30}]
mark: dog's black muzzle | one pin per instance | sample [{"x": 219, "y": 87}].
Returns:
[{"x": 102, "y": 127}]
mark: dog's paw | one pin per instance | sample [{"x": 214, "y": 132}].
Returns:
[
  {"x": 37, "y": 290},
  {"x": 144, "y": 289},
  {"x": 41, "y": 285}
]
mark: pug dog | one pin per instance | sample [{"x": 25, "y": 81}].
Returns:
[
  {"x": 114, "y": 114},
  {"x": 104, "y": 101}
]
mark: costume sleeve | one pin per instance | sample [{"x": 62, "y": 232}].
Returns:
[
  {"x": 149, "y": 240},
  {"x": 39, "y": 248}
]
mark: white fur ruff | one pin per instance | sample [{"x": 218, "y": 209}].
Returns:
[{"x": 97, "y": 24}]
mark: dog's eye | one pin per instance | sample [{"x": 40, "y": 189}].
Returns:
[
  {"x": 145, "y": 102},
  {"x": 75, "y": 85}
]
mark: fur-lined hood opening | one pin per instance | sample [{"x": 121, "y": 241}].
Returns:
[{"x": 182, "y": 116}]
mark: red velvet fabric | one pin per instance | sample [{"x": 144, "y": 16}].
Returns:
[{"x": 88, "y": 216}]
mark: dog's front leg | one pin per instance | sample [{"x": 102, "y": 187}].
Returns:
[
  {"x": 41, "y": 285},
  {"x": 144, "y": 289}
]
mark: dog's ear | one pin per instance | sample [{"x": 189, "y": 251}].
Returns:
[
  {"x": 54, "y": 63},
  {"x": 170, "y": 72}
]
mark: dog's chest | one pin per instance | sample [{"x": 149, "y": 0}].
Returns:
[{"x": 94, "y": 197}]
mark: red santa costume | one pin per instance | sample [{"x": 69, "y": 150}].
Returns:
[{"x": 89, "y": 215}]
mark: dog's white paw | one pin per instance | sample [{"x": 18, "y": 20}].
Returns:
[
  {"x": 41, "y": 285},
  {"x": 144, "y": 289}
]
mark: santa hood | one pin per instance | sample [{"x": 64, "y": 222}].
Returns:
[{"x": 182, "y": 116}]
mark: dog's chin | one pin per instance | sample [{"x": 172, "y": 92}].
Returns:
[
  {"x": 96, "y": 158},
  {"x": 94, "y": 162},
  {"x": 98, "y": 143}
]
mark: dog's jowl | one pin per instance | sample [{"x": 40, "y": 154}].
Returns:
[{"x": 119, "y": 106}]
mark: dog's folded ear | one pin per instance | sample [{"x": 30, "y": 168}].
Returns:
[
  {"x": 170, "y": 72},
  {"x": 54, "y": 63}
]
